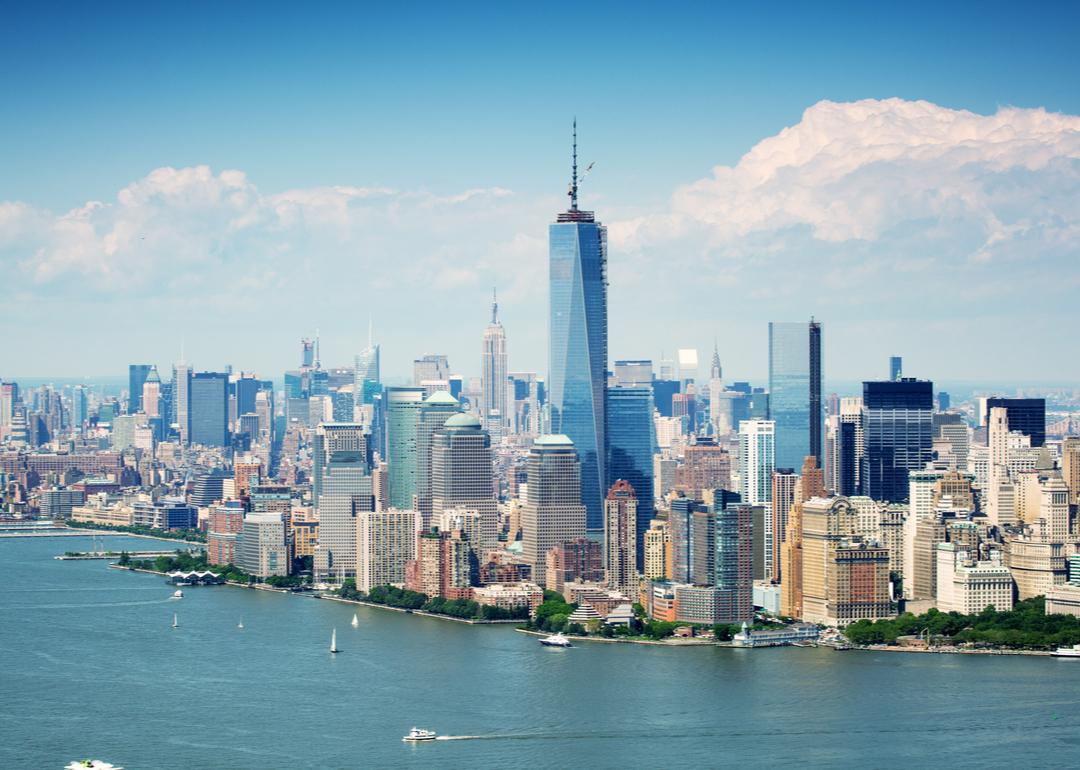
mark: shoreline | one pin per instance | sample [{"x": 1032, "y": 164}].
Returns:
[
  {"x": 652, "y": 642},
  {"x": 421, "y": 613},
  {"x": 952, "y": 651}
]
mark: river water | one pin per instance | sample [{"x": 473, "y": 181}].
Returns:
[{"x": 92, "y": 668}]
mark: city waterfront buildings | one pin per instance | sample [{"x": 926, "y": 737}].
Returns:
[{"x": 553, "y": 512}]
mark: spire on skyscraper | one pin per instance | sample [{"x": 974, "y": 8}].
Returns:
[
  {"x": 494, "y": 306},
  {"x": 573, "y": 172},
  {"x": 717, "y": 372}
]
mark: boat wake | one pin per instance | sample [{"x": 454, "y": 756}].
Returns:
[{"x": 463, "y": 737}]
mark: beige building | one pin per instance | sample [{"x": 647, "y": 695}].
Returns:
[
  {"x": 1070, "y": 467},
  {"x": 1063, "y": 600},
  {"x": 844, "y": 578},
  {"x": 385, "y": 541},
  {"x": 967, "y": 585},
  {"x": 1036, "y": 566},
  {"x": 100, "y": 511},
  {"x": 657, "y": 551},
  {"x": 510, "y": 596},
  {"x": 553, "y": 512}
]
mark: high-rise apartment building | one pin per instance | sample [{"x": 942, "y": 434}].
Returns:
[
  {"x": 1070, "y": 467},
  {"x": 553, "y": 512},
  {"x": 705, "y": 466},
  {"x": 631, "y": 444},
  {"x": 783, "y": 497},
  {"x": 494, "y": 410},
  {"x": 757, "y": 461},
  {"x": 385, "y": 543},
  {"x": 621, "y": 537},
  {"x": 181, "y": 392},
  {"x": 209, "y": 409},
  {"x": 795, "y": 391},
  {"x": 262, "y": 546},
  {"x": 402, "y": 418},
  {"x": 578, "y": 335},
  {"x": 461, "y": 475},
  {"x": 897, "y": 421}
]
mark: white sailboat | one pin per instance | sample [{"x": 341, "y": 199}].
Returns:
[
  {"x": 240, "y": 624},
  {"x": 333, "y": 641},
  {"x": 355, "y": 621},
  {"x": 175, "y": 621}
]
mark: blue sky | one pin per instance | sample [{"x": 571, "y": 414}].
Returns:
[{"x": 420, "y": 105}]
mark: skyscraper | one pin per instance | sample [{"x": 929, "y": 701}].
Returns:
[
  {"x": 795, "y": 390},
  {"x": 621, "y": 538},
  {"x": 209, "y": 405},
  {"x": 331, "y": 437},
  {"x": 137, "y": 374},
  {"x": 577, "y": 353},
  {"x": 434, "y": 411},
  {"x": 631, "y": 444},
  {"x": 897, "y": 419},
  {"x": 182, "y": 400},
  {"x": 757, "y": 459},
  {"x": 151, "y": 393},
  {"x": 896, "y": 368},
  {"x": 461, "y": 475},
  {"x": 1027, "y": 415},
  {"x": 366, "y": 375},
  {"x": 553, "y": 513},
  {"x": 402, "y": 417},
  {"x": 493, "y": 384},
  {"x": 345, "y": 491}
]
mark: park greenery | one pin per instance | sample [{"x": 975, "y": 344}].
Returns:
[
  {"x": 1025, "y": 627},
  {"x": 184, "y": 561},
  {"x": 189, "y": 535},
  {"x": 402, "y": 598}
]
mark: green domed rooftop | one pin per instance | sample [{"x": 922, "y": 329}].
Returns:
[
  {"x": 441, "y": 397},
  {"x": 462, "y": 421}
]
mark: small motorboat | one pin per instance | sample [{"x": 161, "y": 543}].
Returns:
[
  {"x": 416, "y": 735},
  {"x": 178, "y": 594}
]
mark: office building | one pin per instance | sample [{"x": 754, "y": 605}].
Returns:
[
  {"x": 434, "y": 412},
  {"x": 621, "y": 537},
  {"x": 224, "y": 525},
  {"x": 461, "y": 476},
  {"x": 578, "y": 337},
  {"x": 705, "y": 466},
  {"x": 795, "y": 391},
  {"x": 433, "y": 367},
  {"x": 733, "y": 560},
  {"x": 331, "y": 437},
  {"x": 262, "y": 547},
  {"x": 1070, "y": 467},
  {"x": 494, "y": 409},
  {"x": 896, "y": 368},
  {"x": 385, "y": 543},
  {"x": 137, "y": 374},
  {"x": 1026, "y": 415},
  {"x": 402, "y": 419},
  {"x": 896, "y": 420},
  {"x": 345, "y": 493},
  {"x": 631, "y": 444},
  {"x": 579, "y": 560},
  {"x": 634, "y": 373},
  {"x": 968, "y": 584},
  {"x": 553, "y": 512},
  {"x": 209, "y": 409}
]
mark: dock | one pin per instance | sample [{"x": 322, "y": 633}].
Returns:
[{"x": 86, "y": 555}]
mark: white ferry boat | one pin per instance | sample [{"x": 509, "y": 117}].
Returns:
[
  {"x": 556, "y": 640},
  {"x": 416, "y": 735},
  {"x": 1068, "y": 652},
  {"x": 92, "y": 764}
]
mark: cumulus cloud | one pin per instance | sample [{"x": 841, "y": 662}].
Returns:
[{"x": 885, "y": 170}]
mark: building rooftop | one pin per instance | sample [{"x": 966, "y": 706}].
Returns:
[
  {"x": 441, "y": 397},
  {"x": 462, "y": 421},
  {"x": 553, "y": 439}
]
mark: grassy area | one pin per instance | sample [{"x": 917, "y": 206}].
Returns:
[{"x": 466, "y": 609}]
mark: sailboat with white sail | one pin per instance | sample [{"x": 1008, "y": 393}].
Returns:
[
  {"x": 333, "y": 641},
  {"x": 175, "y": 621},
  {"x": 355, "y": 621}
]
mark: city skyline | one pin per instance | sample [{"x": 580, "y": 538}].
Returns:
[{"x": 748, "y": 193}]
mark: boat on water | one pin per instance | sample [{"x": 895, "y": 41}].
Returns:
[
  {"x": 1068, "y": 652},
  {"x": 416, "y": 735},
  {"x": 556, "y": 640},
  {"x": 355, "y": 620},
  {"x": 92, "y": 764},
  {"x": 175, "y": 621},
  {"x": 178, "y": 594},
  {"x": 333, "y": 641},
  {"x": 240, "y": 624}
]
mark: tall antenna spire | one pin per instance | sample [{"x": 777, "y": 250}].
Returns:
[
  {"x": 573, "y": 174},
  {"x": 316, "y": 348},
  {"x": 494, "y": 306},
  {"x": 370, "y": 332}
]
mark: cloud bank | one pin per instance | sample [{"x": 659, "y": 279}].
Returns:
[{"x": 869, "y": 212}]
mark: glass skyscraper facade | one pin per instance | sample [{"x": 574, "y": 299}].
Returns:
[
  {"x": 209, "y": 407},
  {"x": 402, "y": 418},
  {"x": 631, "y": 440},
  {"x": 795, "y": 391},
  {"x": 897, "y": 422},
  {"x": 577, "y": 354},
  {"x": 137, "y": 374}
]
